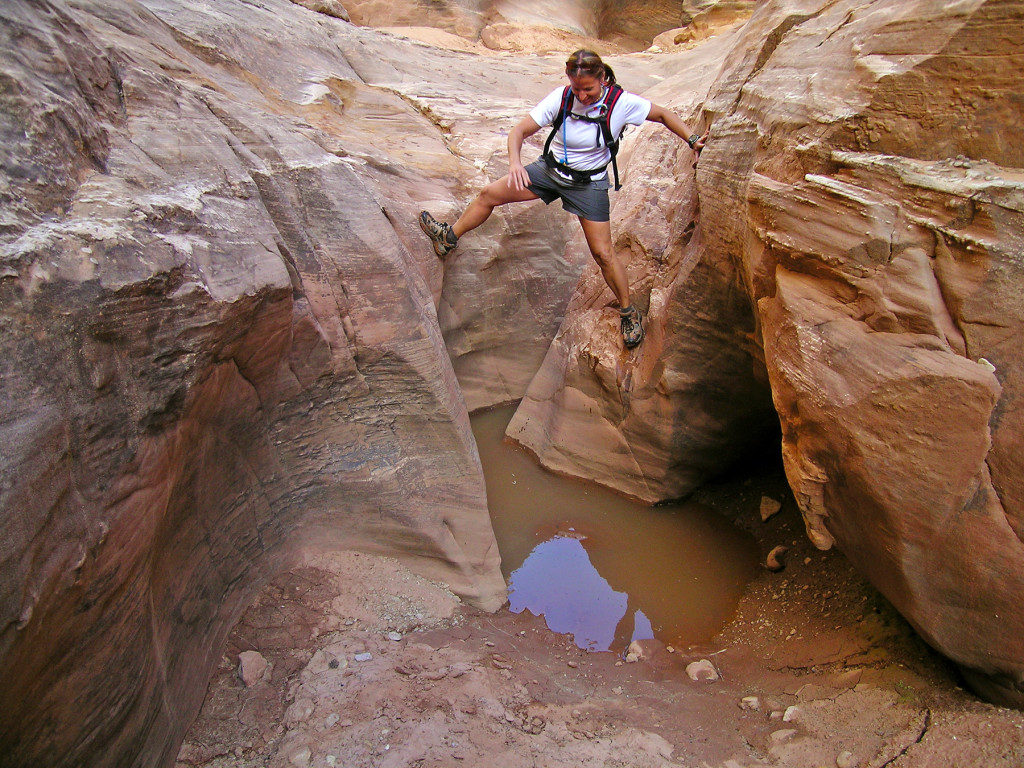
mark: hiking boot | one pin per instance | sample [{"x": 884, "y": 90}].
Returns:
[
  {"x": 632, "y": 326},
  {"x": 440, "y": 234}
]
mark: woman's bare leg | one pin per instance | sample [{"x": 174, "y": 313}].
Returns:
[
  {"x": 490, "y": 197},
  {"x": 599, "y": 240}
]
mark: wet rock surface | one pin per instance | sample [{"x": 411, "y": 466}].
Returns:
[{"x": 816, "y": 669}]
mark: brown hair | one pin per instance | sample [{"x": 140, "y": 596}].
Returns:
[{"x": 584, "y": 62}]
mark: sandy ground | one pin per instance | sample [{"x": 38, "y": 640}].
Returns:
[{"x": 373, "y": 666}]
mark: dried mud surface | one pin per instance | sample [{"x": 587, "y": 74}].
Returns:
[{"x": 372, "y": 666}]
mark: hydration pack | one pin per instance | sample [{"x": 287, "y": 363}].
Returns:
[{"x": 604, "y": 131}]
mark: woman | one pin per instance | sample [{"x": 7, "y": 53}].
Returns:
[{"x": 573, "y": 170}]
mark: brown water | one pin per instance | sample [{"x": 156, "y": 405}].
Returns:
[{"x": 600, "y": 567}]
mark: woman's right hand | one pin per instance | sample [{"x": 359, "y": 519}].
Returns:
[{"x": 518, "y": 178}]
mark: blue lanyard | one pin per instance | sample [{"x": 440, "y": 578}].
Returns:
[{"x": 565, "y": 151}]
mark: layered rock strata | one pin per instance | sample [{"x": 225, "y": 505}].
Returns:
[
  {"x": 226, "y": 345},
  {"x": 856, "y": 221},
  {"x": 220, "y": 347},
  {"x": 538, "y": 26}
]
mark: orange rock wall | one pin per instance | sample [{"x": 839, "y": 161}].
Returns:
[
  {"x": 219, "y": 353},
  {"x": 851, "y": 239}
]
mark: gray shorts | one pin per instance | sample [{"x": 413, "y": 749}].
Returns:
[{"x": 588, "y": 199}]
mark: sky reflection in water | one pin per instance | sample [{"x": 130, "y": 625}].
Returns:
[{"x": 600, "y": 567}]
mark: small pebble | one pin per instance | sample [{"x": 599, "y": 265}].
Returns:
[
  {"x": 252, "y": 668},
  {"x": 701, "y": 670},
  {"x": 775, "y": 561},
  {"x": 363, "y": 656},
  {"x": 750, "y": 702},
  {"x": 395, "y": 636},
  {"x": 769, "y": 507},
  {"x": 300, "y": 757}
]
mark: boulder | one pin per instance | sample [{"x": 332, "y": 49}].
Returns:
[{"x": 886, "y": 252}]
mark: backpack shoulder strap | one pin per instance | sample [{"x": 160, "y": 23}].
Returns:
[
  {"x": 614, "y": 93},
  {"x": 606, "y": 128},
  {"x": 563, "y": 110}
]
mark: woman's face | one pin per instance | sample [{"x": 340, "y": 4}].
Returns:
[{"x": 587, "y": 89}]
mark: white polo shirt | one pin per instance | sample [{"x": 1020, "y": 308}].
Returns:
[{"x": 580, "y": 144}]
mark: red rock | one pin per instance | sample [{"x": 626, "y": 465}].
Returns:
[{"x": 850, "y": 239}]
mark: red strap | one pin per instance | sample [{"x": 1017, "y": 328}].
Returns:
[
  {"x": 613, "y": 99},
  {"x": 567, "y": 99}
]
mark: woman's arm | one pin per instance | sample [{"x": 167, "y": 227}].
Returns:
[
  {"x": 674, "y": 123},
  {"x": 518, "y": 178}
]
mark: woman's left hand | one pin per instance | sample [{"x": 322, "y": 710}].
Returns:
[{"x": 698, "y": 145}]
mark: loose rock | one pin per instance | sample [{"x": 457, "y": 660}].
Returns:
[
  {"x": 783, "y": 734},
  {"x": 300, "y": 757},
  {"x": 252, "y": 667},
  {"x": 769, "y": 507},
  {"x": 299, "y": 711},
  {"x": 775, "y": 562},
  {"x": 701, "y": 670}
]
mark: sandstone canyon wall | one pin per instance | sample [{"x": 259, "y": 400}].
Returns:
[
  {"x": 534, "y": 26},
  {"x": 226, "y": 344},
  {"x": 847, "y": 255},
  {"x": 220, "y": 347}
]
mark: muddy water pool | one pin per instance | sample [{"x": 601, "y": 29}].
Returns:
[{"x": 603, "y": 568}]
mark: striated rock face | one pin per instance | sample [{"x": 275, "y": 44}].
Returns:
[
  {"x": 858, "y": 215},
  {"x": 227, "y": 347},
  {"x": 656, "y": 422},
  {"x": 220, "y": 347},
  {"x": 540, "y": 26}
]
